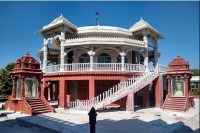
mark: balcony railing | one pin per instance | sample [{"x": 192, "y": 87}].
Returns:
[{"x": 81, "y": 67}]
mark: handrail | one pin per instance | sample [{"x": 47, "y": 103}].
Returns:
[
  {"x": 77, "y": 67},
  {"x": 116, "y": 92},
  {"x": 47, "y": 104},
  {"x": 165, "y": 100},
  {"x": 26, "y": 108}
]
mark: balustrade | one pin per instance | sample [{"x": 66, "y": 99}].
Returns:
[
  {"x": 77, "y": 67},
  {"x": 118, "y": 91}
]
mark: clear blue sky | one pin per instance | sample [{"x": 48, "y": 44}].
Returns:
[{"x": 178, "y": 22}]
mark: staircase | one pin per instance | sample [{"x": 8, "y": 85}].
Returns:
[
  {"x": 119, "y": 91},
  {"x": 37, "y": 105},
  {"x": 175, "y": 103}
]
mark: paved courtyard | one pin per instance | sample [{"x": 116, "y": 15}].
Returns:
[{"x": 148, "y": 120}]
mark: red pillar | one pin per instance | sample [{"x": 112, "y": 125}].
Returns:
[
  {"x": 39, "y": 87},
  {"x": 14, "y": 88},
  {"x": 169, "y": 84},
  {"x": 158, "y": 92},
  {"x": 22, "y": 86},
  {"x": 130, "y": 102},
  {"x": 62, "y": 93},
  {"x": 91, "y": 88},
  {"x": 44, "y": 87},
  {"x": 48, "y": 91},
  {"x": 145, "y": 92},
  {"x": 186, "y": 86}
]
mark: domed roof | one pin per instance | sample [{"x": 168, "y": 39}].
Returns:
[
  {"x": 61, "y": 20},
  {"x": 27, "y": 64},
  {"x": 27, "y": 59},
  {"x": 141, "y": 24},
  {"x": 178, "y": 64}
]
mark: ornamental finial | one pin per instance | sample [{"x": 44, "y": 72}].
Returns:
[
  {"x": 141, "y": 18},
  {"x": 97, "y": 21}
]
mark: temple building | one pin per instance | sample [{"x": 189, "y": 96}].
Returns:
[{"x": 101, "y": 66}]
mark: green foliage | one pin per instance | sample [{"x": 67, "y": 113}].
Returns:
[
  {"x": 5, "y": 79},
  {"x": 196, "y": 91},
  {"x": 195, "y": 72}
]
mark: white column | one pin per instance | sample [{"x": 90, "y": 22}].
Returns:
[
  {"x": 91, "y": 54},
  {"x": 45, "y": 55},
  {"x": 122, "y": 59},
  {"x": 146, "y": 59},
  {"x": 62, "y": 39},
  {"x": 155, "y": 53},
  {"x": 145, "y": 33}
]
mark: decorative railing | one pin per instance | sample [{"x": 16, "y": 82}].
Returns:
[
  {"x": 162, "y": 68},
  {"x": 47, "y": 104},
  {"x": 26, "y": 108},
  {"x": 118, "y": 91},
  {"x": 104, "y": 39},
  {"x": 78, "y": 67},
  {"x": 53, "y": 68},
  {"x": 103, "y": 29}
]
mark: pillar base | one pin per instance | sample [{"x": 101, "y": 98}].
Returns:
[{"x": 130, "y": 102}]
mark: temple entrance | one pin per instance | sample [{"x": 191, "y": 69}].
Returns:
[
  {"x": 177, "y": 86},
  {"x": 31, "y": 84}
]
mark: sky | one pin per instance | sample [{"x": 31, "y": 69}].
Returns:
[{"x": 178, "y": 22}]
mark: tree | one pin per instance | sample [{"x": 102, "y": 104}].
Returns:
[
  {"x": 5, "y": 79},
  {"x": 195, "y": 72}
]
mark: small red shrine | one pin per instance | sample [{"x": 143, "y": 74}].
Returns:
[
  {"x": 26, "y": 91},
  {"x": 179, "y": 93}
]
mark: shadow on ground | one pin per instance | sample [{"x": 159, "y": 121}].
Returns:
[{"x": 133, "y": 125}]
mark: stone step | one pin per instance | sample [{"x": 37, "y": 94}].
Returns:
[
  {"x": 35, "y": 102},
  {"x": 40, "y": 107},
  {"x": 41, "y": 112},
  {"x": 35, "y": 105}
]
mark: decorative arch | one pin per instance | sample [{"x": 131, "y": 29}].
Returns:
[
  {"x": 69, "y": 50},
  {"x": 97, "y": 50},
  {"x": 84, "y": 58},
  {"x": 135, "y": 50}
]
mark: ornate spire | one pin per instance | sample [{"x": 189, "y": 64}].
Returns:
[{"x": 97, "y": 21}]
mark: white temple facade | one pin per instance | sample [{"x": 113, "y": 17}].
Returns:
[{"x": 97, "y": 48}]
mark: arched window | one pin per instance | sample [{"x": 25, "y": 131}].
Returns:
[
  {"x": 104, "y": 58},
  {"x": 84, "y": 58},
  {"x": 119, "y": 60}
]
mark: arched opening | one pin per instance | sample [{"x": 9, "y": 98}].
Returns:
[
  {"x": 137, "y": 58},
  {"x": 104, "y": 58},
  {"x": 84, "y": 58}
]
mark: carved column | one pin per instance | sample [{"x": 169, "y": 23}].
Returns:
[
  {"x": 186, "y": 84},
  {"x": 145, "y": 39},
  {"x": 155, "y": 52},
  {"x": 123, "y": 54},
  {"x": 62, "y": 56},
  {"x": 39, "y": 87},
  {"x": 146, "y": 60},
  {"x": 22, "y": 86},
  {"x": 45, "y": 55},
  {"x": 91, "y": 54},
  {"x": 14, "y": 87},
  {"x": 169, "y": 83}
]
